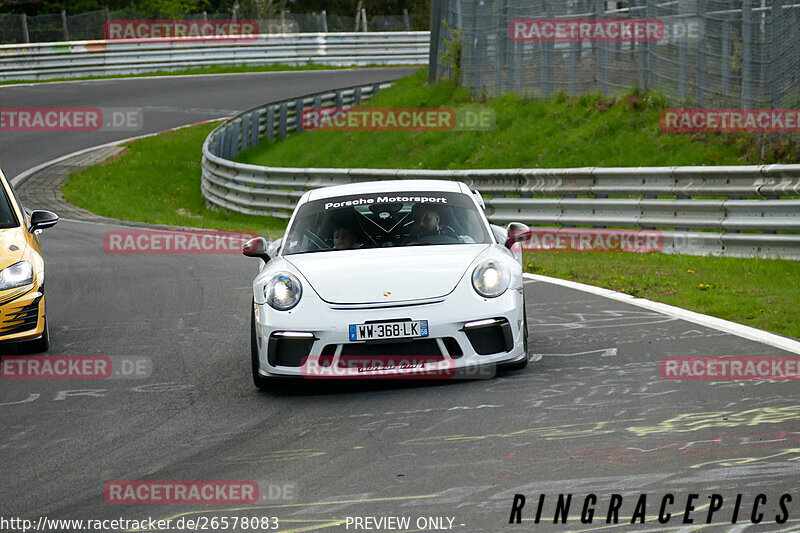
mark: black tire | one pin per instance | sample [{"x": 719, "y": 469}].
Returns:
[
  {"x": 259, "y": 381},
  {"x": 40, "y": 345}
]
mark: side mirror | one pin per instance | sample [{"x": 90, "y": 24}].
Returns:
[
  {"x": 42, "y": 220},
  {"x": 517, "y": 232},
  {"x": 256, "y": 247}
]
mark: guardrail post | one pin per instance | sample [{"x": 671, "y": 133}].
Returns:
[
  {"x": 255, "y": 118},
  {"x": 298, "y": 115},
  {"x": 339, "y": 99},
  {"x": 357, "y": 96},
  {"x": 245, "y": 132},
  {"x": 271, "y": 122},
  {"x": 235, "y": 128},
  {"x": 284, "y": 116}
]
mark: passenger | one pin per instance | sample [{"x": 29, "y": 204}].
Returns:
[{"x": 344, "y": 238}]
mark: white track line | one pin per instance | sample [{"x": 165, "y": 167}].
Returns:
[
  {"x": 740, "y": 330},
  {"x": 21, "y": 177},
  {"x": 163, "y": 76}
]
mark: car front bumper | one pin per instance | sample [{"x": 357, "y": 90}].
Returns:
[
  {"x": 466, "y": 332},
  {"x": 22, "y": 315}
]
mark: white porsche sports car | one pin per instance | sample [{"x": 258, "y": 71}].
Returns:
[{"x": 387, "y": 279}]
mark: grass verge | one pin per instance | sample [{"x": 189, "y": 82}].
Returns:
[
  {"x": 157, "y": 180},
  {"x": 762, "y": 293},
  {"x": 558, "y": 132}
]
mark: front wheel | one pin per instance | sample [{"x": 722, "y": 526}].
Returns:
[{"x": 258, "y": 380}]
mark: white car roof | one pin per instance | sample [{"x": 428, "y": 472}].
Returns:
[{"x": 385, "y": 187}]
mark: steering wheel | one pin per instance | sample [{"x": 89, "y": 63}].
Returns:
[{"x": 315, "y": 240}]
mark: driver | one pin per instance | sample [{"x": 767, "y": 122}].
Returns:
[{"x": 427, "y": 222}]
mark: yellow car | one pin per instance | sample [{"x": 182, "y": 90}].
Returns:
[{"x": 22, "y": 310}]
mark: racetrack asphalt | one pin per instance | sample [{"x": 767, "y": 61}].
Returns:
[{"x": 594, "y": 416}]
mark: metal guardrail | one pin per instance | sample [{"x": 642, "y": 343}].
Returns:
[
  {"x": 700, "y": 210},
  {"x": 41, "y": 61}
]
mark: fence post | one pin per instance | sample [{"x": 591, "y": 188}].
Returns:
[
  {"x": 702, "y": 67},
  {"x": 364, "y": 18},
  {"x": 548, "y": 49},
  {"x": 25, "y": 36},
  {"x": 324, "y": 21},
  {"x": 747, "y": 53},
  {"x": 407, "y": 19},
  {"x": 601, "y": 58},
  {"x": 775, "y": 28},
  {"x": 501, "y": 47},
  {"x": 726, "y": 58},
  {"x": 436, "y": 23},
  {"x": 652, "y": 51},
  {"x": 64, "y": 24}
]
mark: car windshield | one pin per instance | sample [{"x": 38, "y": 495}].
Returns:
[
  {"x": 7, "y": 217},
  {"x": 386, "y": 220}
]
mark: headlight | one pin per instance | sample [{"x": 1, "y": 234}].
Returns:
[
  {"x": 283, "y": 291},
  {"x": 491, "y": 278},
  {"x": 16, "y": 275}
]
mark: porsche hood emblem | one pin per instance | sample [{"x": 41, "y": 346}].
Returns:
[{"x": 387, "y": 293}]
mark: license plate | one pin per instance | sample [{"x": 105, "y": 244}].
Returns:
[{"x": 388, "y": 330}]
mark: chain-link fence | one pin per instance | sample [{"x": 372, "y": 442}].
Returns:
[
  {"x": 739, "y": 53},
  {"x": 88, "y": 26}
]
